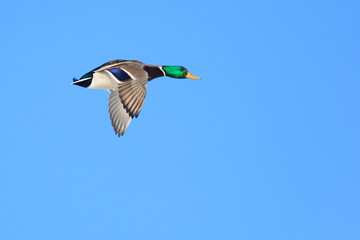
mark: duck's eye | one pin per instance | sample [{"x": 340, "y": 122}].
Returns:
[{"x": 182, "y": 69}]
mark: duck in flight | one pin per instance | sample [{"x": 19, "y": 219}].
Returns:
[{"x": 126, "y": 81}]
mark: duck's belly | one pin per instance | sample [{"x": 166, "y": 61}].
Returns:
[{"x": 103, "y": 80}]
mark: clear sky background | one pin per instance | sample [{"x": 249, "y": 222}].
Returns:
[{"x": 265, "y": 146}]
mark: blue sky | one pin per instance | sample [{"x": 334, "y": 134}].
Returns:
[{"x": 265, "y": 146}]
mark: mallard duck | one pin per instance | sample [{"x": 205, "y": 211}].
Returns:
[{"x": 126, "y": 81}]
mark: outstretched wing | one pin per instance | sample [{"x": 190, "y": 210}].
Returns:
[
  {"x": 120, "y": 119},
  {"x": 125, "y": 103}
]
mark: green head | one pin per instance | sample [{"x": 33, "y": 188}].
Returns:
[{"x": 178, "y": 72}]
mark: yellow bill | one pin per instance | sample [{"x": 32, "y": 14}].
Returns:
[{"x": 189, "y": 75}]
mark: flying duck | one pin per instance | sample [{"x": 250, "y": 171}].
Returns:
[{"x": 126, "y": 81}]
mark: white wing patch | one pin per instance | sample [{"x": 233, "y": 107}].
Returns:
[{"x": 120, "y": 119}]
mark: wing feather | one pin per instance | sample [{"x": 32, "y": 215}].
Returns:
[
  {"x": 126, "y": 101},
  {"x": 132, "y": 95},
  {"x": 120, "y": 119}
]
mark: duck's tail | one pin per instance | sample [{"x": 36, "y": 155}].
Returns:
[{"x": 84, "y": 81}]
